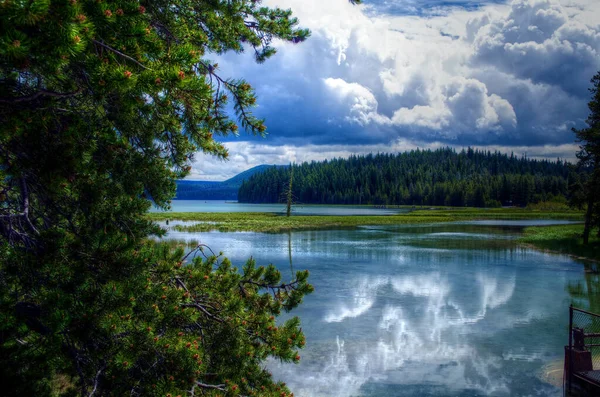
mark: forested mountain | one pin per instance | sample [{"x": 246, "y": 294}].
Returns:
[
  {"x": 205, "y": 190},
  {"x": 210, "y": 190},
  {"x": 420, "y": 177}
]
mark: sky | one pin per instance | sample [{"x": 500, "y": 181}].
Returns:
[{"x": 397, "y": 75}]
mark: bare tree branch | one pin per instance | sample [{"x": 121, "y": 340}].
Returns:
[{"x": 96, "y": 379}]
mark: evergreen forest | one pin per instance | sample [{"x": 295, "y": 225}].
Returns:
[{"x": 420, "y": 177}]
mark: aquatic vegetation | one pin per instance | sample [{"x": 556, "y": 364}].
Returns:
[
  {"x": 274, "y": 223},
  {"x": 565, "y": 239}
]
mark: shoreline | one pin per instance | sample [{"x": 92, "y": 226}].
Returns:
[
  {"x": 542, "y": 238},
  {"x": 567, "y": 237},
  {"x": 556, "y": 252}
]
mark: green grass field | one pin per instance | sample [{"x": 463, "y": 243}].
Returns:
[
  {"x": 274, "y": 223},
  {"x": 564, "y": 239},
  {"x": 499, "y": 213}
]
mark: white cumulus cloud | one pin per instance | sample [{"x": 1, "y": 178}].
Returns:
[{"x": 498, "y": 75}]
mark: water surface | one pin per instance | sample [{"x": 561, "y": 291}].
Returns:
[
  {"x": 425, "y": 310},
  {"x": 304, "y": 209}
]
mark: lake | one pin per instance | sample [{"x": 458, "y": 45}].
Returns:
[
  {"x": 306, "y": 209},
  {"x": 428, "y": 310}
]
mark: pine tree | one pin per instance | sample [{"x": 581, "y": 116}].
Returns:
[
  {"x": 588, "y": 186},
  {"x": 103, "y": 104}
]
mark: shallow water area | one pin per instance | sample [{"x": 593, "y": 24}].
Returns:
[
  {"x": 297, "y": 209},
  {"x": 420, "y": 310}
]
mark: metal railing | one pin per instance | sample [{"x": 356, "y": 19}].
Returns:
[{"x": 582, "y": 361}]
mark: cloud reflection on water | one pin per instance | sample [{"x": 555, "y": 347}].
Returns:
[
  {"x": 422, "y": 336},
  {"x": 428, "y": 310}
]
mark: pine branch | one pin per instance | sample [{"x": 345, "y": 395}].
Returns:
[
  {"x": 40, "y": 93},
  {"x": 120, "y": 54}
]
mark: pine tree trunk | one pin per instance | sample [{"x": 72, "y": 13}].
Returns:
[{"x": 588, "y": 221}]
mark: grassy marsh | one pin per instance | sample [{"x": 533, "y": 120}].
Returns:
[
  {"x": 564, "y": 239},
  {"x": 275, "y": 223}
]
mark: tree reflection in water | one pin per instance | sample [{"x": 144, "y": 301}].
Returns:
[{"x": 586, "y": 294}]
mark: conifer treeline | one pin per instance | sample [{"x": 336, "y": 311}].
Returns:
[{"x": 420, "y": 177}]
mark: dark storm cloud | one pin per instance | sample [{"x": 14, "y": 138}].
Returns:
[
  {"x": 423, "y": 7},
  {"x": 491, "y": 75}
]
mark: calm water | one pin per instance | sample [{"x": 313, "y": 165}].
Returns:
[
  {"x": 229, "y": 206},
  {"x": 431, "y": 310}
]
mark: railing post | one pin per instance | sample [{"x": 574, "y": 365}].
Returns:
[{"x": 570, "y": 366}]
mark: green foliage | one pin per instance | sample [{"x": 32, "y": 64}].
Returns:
[
  {"x": 103, "y": 104},
  {"x": 586, "y": 184},
  {"x": 558, "y": 204},
  {"x": 443, "y": 177}
]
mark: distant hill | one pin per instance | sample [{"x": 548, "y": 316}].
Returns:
[
  {"x": 210, "y": 190},
  {"x": 421, "y": 177},
  {"x": 242, "y": 176}
]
